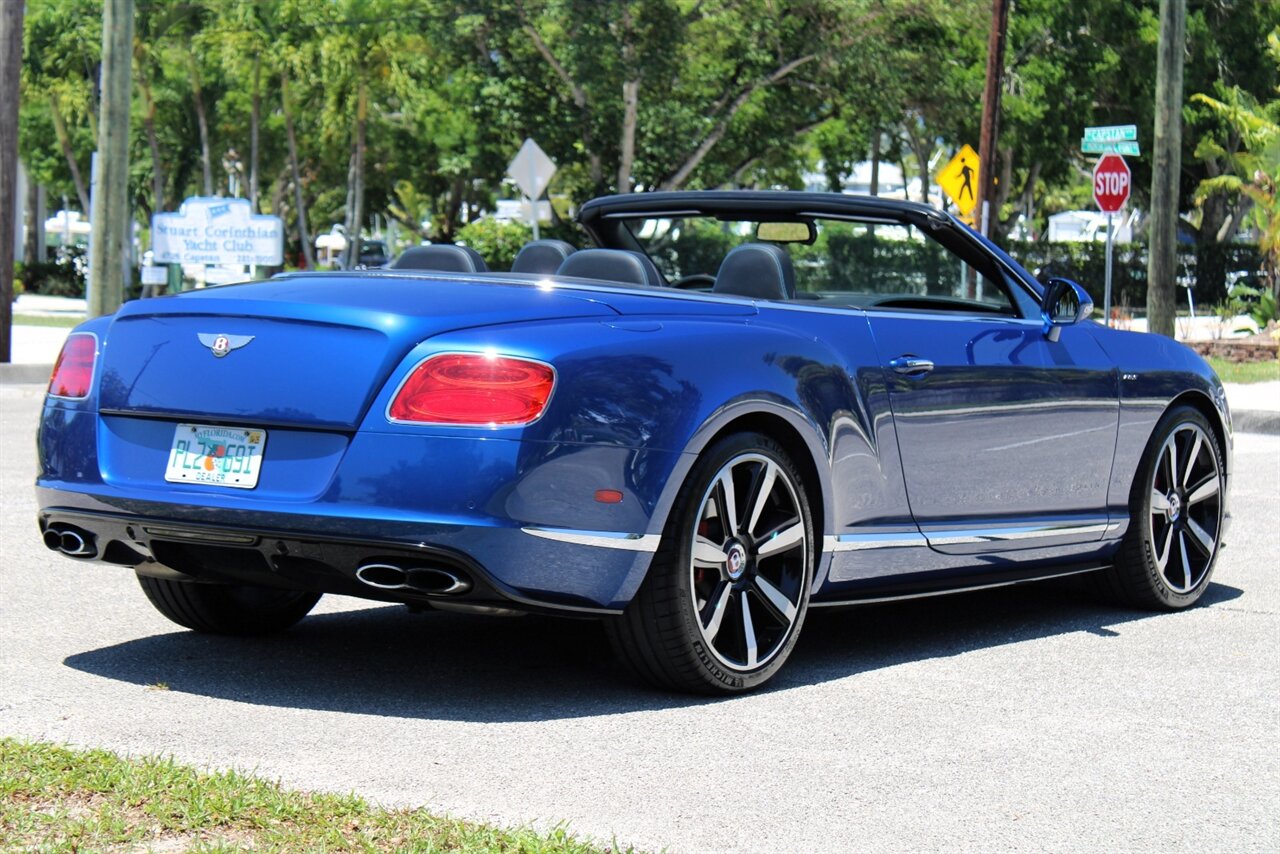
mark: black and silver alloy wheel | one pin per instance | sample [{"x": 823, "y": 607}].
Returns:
[
  {"x": 747, "y": 562},
  {"x": 1185, "y": 508},
  {"x": 728, "y": 589},
  {"x": 1176, "y": 517}
]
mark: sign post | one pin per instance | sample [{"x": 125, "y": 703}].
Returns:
[
  {"x": 531, "y": 170},
  {"x": 1112, "y": 181}
]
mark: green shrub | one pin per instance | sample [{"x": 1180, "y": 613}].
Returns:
[
  {"x": 497, "y": 241},
  {"x": 61, "y": 278}
]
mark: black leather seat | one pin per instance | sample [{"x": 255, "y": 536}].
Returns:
[
  {"x": 442, "y": 257},
  {"x": 542, "y": 257},
  {"x": 612, "y": 265},
  {"x": 758, "y": 271}
]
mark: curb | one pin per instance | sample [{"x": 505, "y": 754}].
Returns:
[
  {"x": 11, "y": 373},
  {"x": 1255, "y": 421}
]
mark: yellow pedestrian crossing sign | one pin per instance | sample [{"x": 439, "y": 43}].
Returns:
[{"x": 959, "y": 179}]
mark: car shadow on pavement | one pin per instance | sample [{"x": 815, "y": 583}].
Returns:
[{"x": 388, "y": 661}]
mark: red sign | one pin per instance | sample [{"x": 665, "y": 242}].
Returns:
[{"x": 1111, "y": 182}]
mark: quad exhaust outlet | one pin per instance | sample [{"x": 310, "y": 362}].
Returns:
[
  {"x": 422, "y": 579},
  {"x": 70, "y": 541}
]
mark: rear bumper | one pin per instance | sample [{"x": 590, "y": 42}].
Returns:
[{"x": 533, "y": 569}]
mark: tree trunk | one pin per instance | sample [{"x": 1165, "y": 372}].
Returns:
[
  {"x": 457, "y": 187},
  {"x": 579, "y": 94},
  {"x": 875, "y": 163},
  {"x": 202, "y": 119},
  {"x": 1166, "y": 164},
  {"x": 300, "y": 205},
  {"x": 31, "y": 241},
  {"x": 921, "y": 147},
  {"x": 112, "y": 223},
  {"x": 64, "y": 140},
  {"x": 355, "y": 189},
  {"x": 630, "y": 107},
  {"x": 149, "y": 123},
  {"x": 255, "y": 117},
  {"x": 10, "y": 69}
]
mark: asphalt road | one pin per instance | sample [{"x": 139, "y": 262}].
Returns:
[{"x": 1027, "y": 718}]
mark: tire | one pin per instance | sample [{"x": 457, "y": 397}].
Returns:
[
  {"x": 1175, "y": 518},
  {"x": 722, "y": 605},
  {"x": 227, "y": 609}
]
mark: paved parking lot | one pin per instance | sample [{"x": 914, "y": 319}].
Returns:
[{"x": 1026, "y": 718}]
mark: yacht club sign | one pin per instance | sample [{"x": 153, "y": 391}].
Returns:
[{"x": 209, "y": 230}]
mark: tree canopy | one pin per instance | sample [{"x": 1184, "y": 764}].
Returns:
[{"x": 347, "y": 111}]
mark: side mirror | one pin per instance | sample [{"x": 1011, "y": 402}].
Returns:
[{"x": 1063, "y": 304}]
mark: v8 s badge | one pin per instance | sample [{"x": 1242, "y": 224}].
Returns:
[{"x": 221, "y": 345}]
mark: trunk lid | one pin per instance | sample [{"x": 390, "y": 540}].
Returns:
[{"x": 310, "y": 350}]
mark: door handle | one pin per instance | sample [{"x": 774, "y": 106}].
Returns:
[{"x": 911, "y": 366}]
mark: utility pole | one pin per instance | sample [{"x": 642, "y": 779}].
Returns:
[
  {"x": 111, "y": 220},
  {"x": 10, "y": 68},
  {"x": 991, "y": 115},
  {"x": 1166, "y": 166}
]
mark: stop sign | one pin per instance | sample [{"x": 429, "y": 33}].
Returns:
[{"x": 1111, "y": 182}]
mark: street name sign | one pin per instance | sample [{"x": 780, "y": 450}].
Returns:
[
  {"x": 1112, "y": 133},
  {"x": 209, "y": 230},
  {"x": 959, "y": 179},
  {"x": 1130, "y": 149},
  {"x": 1112, "y": 181}
]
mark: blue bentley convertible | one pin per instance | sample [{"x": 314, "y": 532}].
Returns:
[{"x": 737, "y": 407}]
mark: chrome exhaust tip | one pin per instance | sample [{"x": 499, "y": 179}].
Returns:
[
  {"x": 384, "y": 576},
  {"x": 73, "y": 544},
  {"x": 53, "y": 540},
  {"x": 430, "y": 579}
]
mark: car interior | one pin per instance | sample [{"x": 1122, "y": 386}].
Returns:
[{"x": 837, "y": 263}]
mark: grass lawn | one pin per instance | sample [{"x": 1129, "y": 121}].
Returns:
[
  {"x": 44, "y": 320},
  {"x": 57, "y": 799},
  {"x": 1246, "y": 372}
]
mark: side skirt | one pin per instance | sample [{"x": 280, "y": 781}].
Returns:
[{"x": 953, "y": 584}]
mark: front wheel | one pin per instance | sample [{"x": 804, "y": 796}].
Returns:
[
  {"x": 728, "y": 589},
  {"x": 1175, "y": 524},
  {"x": 227, "y": 609}
]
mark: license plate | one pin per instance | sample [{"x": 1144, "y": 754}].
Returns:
[{"x": 218, "y": 456}]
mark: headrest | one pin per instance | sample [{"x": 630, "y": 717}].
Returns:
[
  {"x": 541, "y": 256},
  {"x": 443, "y": 257},
  {"x": 758, "y": 271},
  {"x": 612, "y": 265}
]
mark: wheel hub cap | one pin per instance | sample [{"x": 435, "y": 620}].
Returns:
[
  {"x": 736, "y": 561},
  {"x": 1175, "y": 506}
]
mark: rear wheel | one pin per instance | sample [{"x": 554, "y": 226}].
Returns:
[
  {"x": 728, "y": 589},
  {"x": 227, "y": 609},
  {"x": 1175, "y": 526}
]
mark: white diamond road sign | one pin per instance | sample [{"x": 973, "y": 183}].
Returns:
[{"x": 531, "y": 169}]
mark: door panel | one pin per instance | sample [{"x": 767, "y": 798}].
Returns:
[{"x": 1007, "y": 439}]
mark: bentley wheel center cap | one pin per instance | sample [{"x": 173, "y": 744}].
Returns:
[{"x": 736, "y": 559}]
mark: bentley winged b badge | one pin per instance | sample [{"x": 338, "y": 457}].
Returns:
[{"x": 221, "y": 345}]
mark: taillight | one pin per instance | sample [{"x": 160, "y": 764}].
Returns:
[
  {"x": 476, "y": 389},
  {"x": 73, "y": 372}
]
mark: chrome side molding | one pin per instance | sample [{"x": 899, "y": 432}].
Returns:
[{"x": 600, "y": 539}]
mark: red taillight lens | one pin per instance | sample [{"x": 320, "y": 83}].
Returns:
[
  {"x": 475, "y": 389},
  {"x": 73, "y": 373}
]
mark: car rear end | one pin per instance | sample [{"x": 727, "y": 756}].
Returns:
[{"x": 395, "y": 438}]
